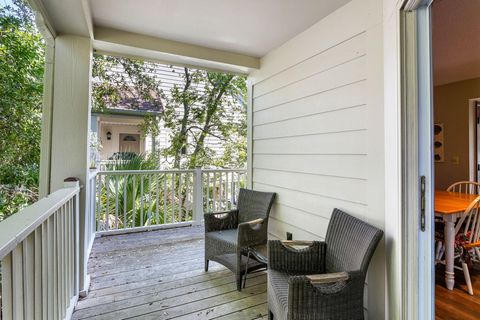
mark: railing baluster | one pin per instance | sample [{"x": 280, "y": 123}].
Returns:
[
  {"x": 125, "y": 223},
  {"x": 186, "y": 200},
  {"x": 157, "y": 204},
  {"x": 173, "y": 197},
  {"x": 134, "y": 200},
  {"x": 29, "y": 276},
  {"x": 227, "y": 205},
  {"x": 116, "y": 202},
  {"x": 214, "y": 204},
  {"x": 149, "y": 222},
  {"x": 208, "y": 193},
  {"x": 99, "y": 201},
  {"x": 107, "y": 208},
  {"x": 180, "y": 198},
  {"x": 165, "y": 194},
  {"x": 142, "y": 204},
  {"x": 7, "y": 287},
  {"x": 38, "y": 263}
]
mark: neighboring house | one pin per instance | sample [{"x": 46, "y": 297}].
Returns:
[
  {"x": 120, "y": 132},
  {"x": 118, "y": 127}
]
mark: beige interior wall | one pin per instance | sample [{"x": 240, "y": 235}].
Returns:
[{"x": 451, "y": 107}]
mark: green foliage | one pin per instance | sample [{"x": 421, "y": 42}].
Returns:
[
  {"x": 128, "y": 82},
  {"x": 131, "y": 200},
  {"x": 21, "y": 88},
  {"x": 213, "y": 106},
  {"x": 207, "y": 105}
]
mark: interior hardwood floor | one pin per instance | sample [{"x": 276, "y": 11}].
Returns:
[
  {"x": 457, "y": 304},
  {"x": 160, "y": 275}
]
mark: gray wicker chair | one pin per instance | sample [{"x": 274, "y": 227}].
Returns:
[
  {"x": 228, "y": 234},
  {"x": 324, "y": 280}
]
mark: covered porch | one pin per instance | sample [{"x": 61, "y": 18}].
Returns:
[{"x": 315, "y": 137}]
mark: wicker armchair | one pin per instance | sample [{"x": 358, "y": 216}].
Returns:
[
  {"x": 228, "y": 234},
  {"x": 324, "y": 280}
]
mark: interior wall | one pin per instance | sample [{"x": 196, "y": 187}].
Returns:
[
  {"x": 318, "y": 134},
  {"x": 451, "y": 107}
]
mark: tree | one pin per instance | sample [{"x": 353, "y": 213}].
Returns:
[
  {"x": 207, "y": 105},
  {"x": 213, "y": 106},
  {"x": 21, "y": 87}
]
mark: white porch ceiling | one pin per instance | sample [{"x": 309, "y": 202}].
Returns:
[
  {"x": 246, "y": 28},
  {"x": 251, "y": 27},
  {"x": 456, "y": 40}
]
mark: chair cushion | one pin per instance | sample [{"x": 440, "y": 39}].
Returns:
[
  {"x": 278, "y": 293},
  {"x": 229, "y": 236}
]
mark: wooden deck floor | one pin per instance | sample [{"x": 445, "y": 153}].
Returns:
[
  {"x": 457, "y": 304},
  {"x": 159, "y": 275}
]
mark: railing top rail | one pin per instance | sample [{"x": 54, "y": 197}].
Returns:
[
  {"x": 16, "y": 228},
  {"x": 224, "y": 170},
  {"x": 139, "y": 172}
]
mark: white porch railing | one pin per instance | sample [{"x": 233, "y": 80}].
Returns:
[
  {"x": 146, "y": 199},
  {"x": 39, "y": 258}
]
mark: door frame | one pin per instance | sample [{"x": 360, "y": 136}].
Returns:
[{"x": 408, "y": 156}]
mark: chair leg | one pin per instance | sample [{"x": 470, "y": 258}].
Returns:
[
  {"x": 206, "y": 264},
  {"x": 239, "y": 282},
  {"x": 467, "y": 278},
  {"x": 270, "y": 315}
]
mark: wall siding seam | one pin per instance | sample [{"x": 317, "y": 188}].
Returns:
[
  {"x": 308, "y": 95},
  {"x": 311, "y": 174},
  {"x": 297, "y": 227},
  {"x": 312, "y": 75},
  {"x": 312, "y": 56},
  {"x": 303, "y": 210},
  {"x": 310, "y": 114},
  {"x": 309, "y": 154},
  {"x": 310, "y": 134},
  {"x": 315, "y": 194}
]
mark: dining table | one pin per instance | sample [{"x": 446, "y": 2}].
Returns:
[{"x": 450, "y": 206}]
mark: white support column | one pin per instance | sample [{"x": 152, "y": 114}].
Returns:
[
  {"x": 197, "y": 196},
  {"x": 70, "y": 124}
]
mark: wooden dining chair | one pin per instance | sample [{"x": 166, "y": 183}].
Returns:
[
  {"x": 467, "y": 237},
  {"x": 469, "y": 187}
]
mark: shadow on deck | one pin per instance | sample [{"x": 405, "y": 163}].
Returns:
[{"x": 160, "y": 275}]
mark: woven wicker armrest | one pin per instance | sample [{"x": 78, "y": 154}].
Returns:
[
  {"x": 216, "y": 221},
  {"x": 253, "y": 232},
  {"x": 310, "y": 259}
]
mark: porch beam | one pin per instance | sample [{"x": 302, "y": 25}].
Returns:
[{"x": 108, "y": 39}]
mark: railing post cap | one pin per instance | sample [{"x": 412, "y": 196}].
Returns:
[{"x": 71, "y": 182}]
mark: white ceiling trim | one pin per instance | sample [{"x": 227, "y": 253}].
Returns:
[{"x": 137, "y": 45}]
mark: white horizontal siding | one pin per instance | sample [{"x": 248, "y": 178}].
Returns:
[{"x": 316, "y": 120}]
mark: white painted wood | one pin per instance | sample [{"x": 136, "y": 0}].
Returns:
[
  {"x": 71, "y": 121},
  {"x": 344, "y": 74},
  {"x": 198, "y": 195},
  {"x": 343, "y": 52},
  {"x": 318, "y": 129},
  {"x": 344, "y": 120},
  {"x": 351, "y": 142},
  {"x": 353, "y": 94},
  {"x": 348, "y": 166}
]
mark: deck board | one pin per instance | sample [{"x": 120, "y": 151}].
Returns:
[{"x": 159, "y": 275}]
